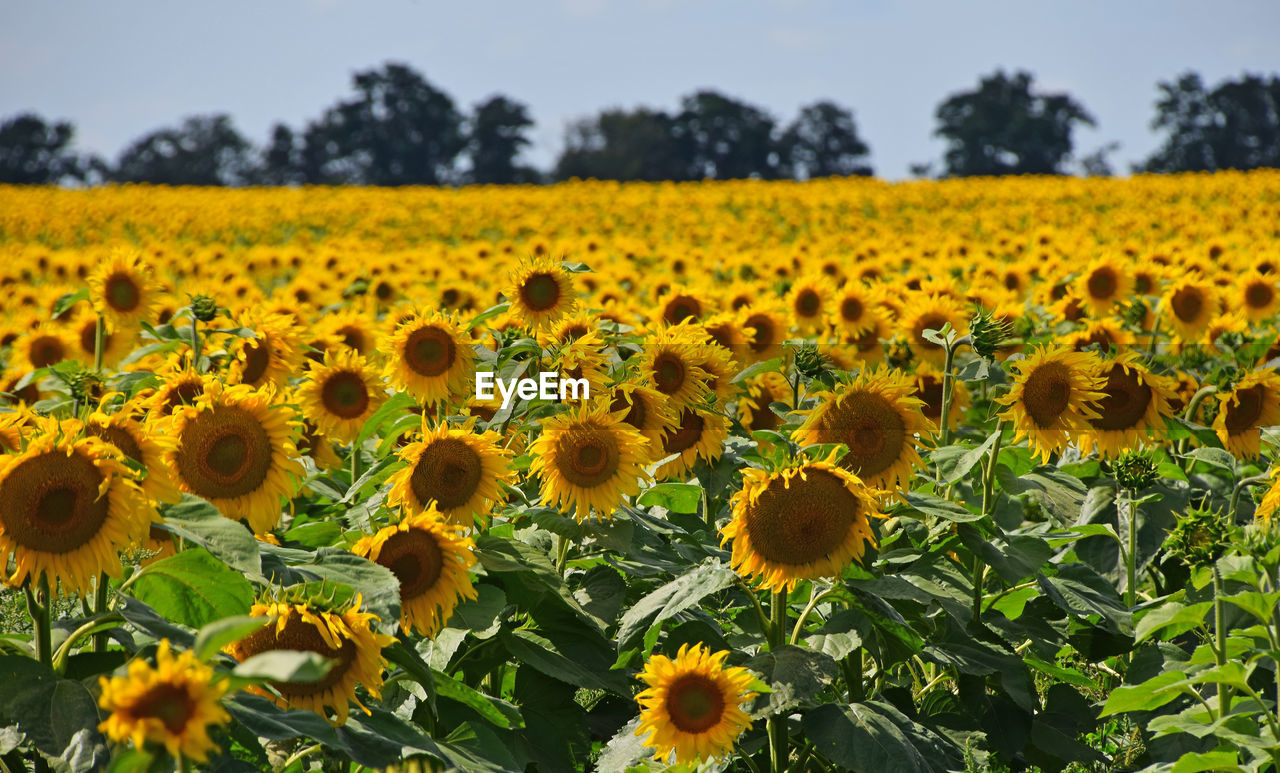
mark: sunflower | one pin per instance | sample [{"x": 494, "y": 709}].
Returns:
[
  {"x": 458, "y": 469},
  {"x": 1254, "y": 403},
  {"x": 431, "y": 558},
  {"x": 1258, "y": 295},
  {"x": 44, "y": 346},
  {"x": 1270, "y": 501},
  {"x": 1053, "y": 395},
  {"x": 1189, "y": 305},
  {"x": 340, "y": 394},
  {"x": 763, "y": 391},
  {"x": 123, "y": 290},
  {"x": 805, "y": 522},
  {"x": 13, "y": 425},
  {"x": 235, "y": 449},
  {"x": 808, "y": 300},
  {"x": 354, "y": 329},
  {"x": 584, "y": 358},
  {"x": 343, "y": 635},
  {"x": 768, "y": 329},
  {"x": 693, "y": 704},
  {"x": 68, "y": 506},
  {"x": 645, "y": 410},
  {"x": 669, "y": 364},
  {"x": 1135, "y": 401},
  {"x": 589, "y": 459},
  {"x": 680, "y": 306},
  {"x": 181, "y": 385},
  {"x": 931, "y": 313},
  {"x": 429, "y": 357},
  {"x": 1103, "y": 284},
  {"x": 271, "y": 356},
  {"x": 137, "y": 443},
  {"x": 175, "y": 704},
  {"x": 726, "y": 329},
  {"x": 697, "y": 435},
  {"x": 541, "y": 292},
  {"x": 854, "y": 310},
  {"x": 1106, "y": 333},
  {"x": 878, "y": 420},
  {"x": 718, "y": 363}
]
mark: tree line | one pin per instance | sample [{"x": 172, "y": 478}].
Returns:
[{"x": 396, "y": 128}]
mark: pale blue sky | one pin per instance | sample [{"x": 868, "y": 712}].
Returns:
[{"x": 120, "y": 68}]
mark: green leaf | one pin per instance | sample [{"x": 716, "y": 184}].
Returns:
[
  {"x": 955, "y": 462},
  {"x": 1171, "y": 613},
  {"x": 193, "y": 588},
  {"x": 765, "y": 366},
  {"x": 538, "y": 652},
  {"x": 480, "y": 614},
  {"x": 494, "y": 710},
  {"x": 941, "y": 508},
  {"x": 394, "y": 407},
  {"x": 1051, "y": 488},
  {"x": 1214, "y": 457},
  {"x": 378, "y": 587},
  {"x": 195, "y": 520},
  {"x": 675, "y": 497},
  {"x": 874, "y": 736},
  {"x": 1082, "y": 593},
  {"x": 575, "y": 268},
  {"x": 216, "y": 635},
  {"x": 49, "y": 710},
  {"x": 285, "y": 666},
  {"x": 795, "y": 676},
  {"x": 1196, "y": 762},
  {"x": 676, "y": 596},
  {"x": 625, "y": 749},
  {"x": 487, "y": 314},
  {"x": 1151, "y": 694},
  {"x": 1261, "y": 605},
  {"x": 65, "y": 302},
  {"x": 841, "y": 634}
]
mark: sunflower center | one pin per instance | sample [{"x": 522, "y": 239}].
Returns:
[
  {"x": 450, "y": 297},
  {"x": 415, "y": 559},
  {"x": 122, "y": 293},
  {"x": 184, "y": 393},
  {"x": 353, "y": 337},
  {"x": 873, "y": 430},
  {"x": 694, "y": 703},
  {"x": 762, "y": 328},
  {"x": 687, "y": 435},
  {"x": 1102, "y": 284},
  {"x": 429, "y": 351},
  {"x": 120, "y": 438},
  {"x": 929, "y": 390},
  {"x": 868, "y": 340},
  {"x": 540, "y": 292},
  {"x": 587, "y": 457},
  {"x": 929, "y": 321},
  {"x": 345, "y": 395},
  {"x": 682, "y": 307},
  {"x": 299, "y": 634},
  {"x": 851, "y": 309},
  {"x": 1247, "y": 409},
  {"x": 1258, "y": 295},
  {"x": 448, "y": 473},
  {"x": 256, "y": 359},
  {"x": 169, "y": 703},
  {"x": 1125, "y": 402},
  {"x": 761, "y": 416},
  {"x": 1143, "y": 283},
  {"x": 50, "y": 502},
  {"x": 224, "y": 453},
  {"x": 635, "y": 414},
  {"x": 1047, "y": 393},
  {"x": 668, "y": 373},
  {"x": 46, "y": 351},
  {"x": 808, "y": 303},
  {"x": 804, "y": 521},
  {"x": 1187, "y": 303}
]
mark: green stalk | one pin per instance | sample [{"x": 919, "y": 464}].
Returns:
[
  {"x": 1220, "y": 636},
  {"x": 38, "y": 608},
  {"x": 777, "y": 724},
  {"x": 944, "y": 420},
  {"x": 99, "y": 339},
  {"x": 100, "y": 600},
  {"x": 195, "y": 342},
  {"x": 851, "y": 666},
  {"x": 562, "y": 554},
  {"x": 1193, "y": 405},
  {"x": 1131, "y": 556},
  {"x": 989, "y": 473}
]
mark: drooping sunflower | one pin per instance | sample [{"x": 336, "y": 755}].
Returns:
[
  {"x": 805, "y": 522},
  {"x": 235, "y": 448},
  {"x": 68, "y": 506},
  {"x": 343, "y": 635},
  {"x": 1103, "y": 284},
  {"x": 340, "y": 394},
  {"x": 429, "y": 357},
  {"x": 1053, "y": 396},
  {"x": 432, "y": 559},
  {"x": 1189, "y": 304},
  {"x": 693, "y": 704},
  {"x": 146, "y": 447},
  {"x": 697, "y": 435},
  {"x": 541, "y": 292},
  {"x": 123, "y": 290},
  {"x": 1257, "y": 295},
  {"x": 458, "y": 469},
  {"x": 1135, "y": 402},
  {"x": 174, "y": 704},
  {"x": 1254, "y": 403},
  {"x": 271, "y": 356},
  {"x": 669, "y": 364},
  {"x": 588, "y": 459},
  {"x": 878, "y": 420},
  {"x": 1106, "y": 333}
]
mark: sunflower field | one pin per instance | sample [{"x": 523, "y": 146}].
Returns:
[{"x": 854, "y": 476}]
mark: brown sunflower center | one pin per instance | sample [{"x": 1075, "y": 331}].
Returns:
[
  {"x": 868, "y": 340},
  {"x": 121, "y": 438},
  {"x": 354, "y": 337},
  {"x": 635, "y": 412},
  {"x": 1125, "y": 402},
  {"x": 429, "y": 351},
  {"x": 224, "y": 453},
  {"x": 1102, "y": 284},
  {"x": 761, "y": 415},
  {"x": 1246, "y": 411},
  {"x": 808, "y": 304},
  {"x": 1047, "y": 393},
  {"x": 587, "y": 456},
  {"x": 871, "y": 427},
  {"x": 183, "y": 393},
  {"x": 1258, "y": 295},
  {"x": 928, "y": 321},
  {"x": 680, "y": 308},
  {"x": 851, "y": 309},
  {"x": 802, "y": 522},
  {"x": 46, "y": 350},
  {"x": 50, "y": 502},
  {"x": 686, "y": 435},
  {"x": 447, "y": 473},
  {"x": 345, "y": 395},
  {"x": 257, "y": 356},
  {"x": 540, "y": 292},
  {"x": 301, "y": 635},
  {"x": 668, "y": 373},
  {"x": 122, "y": 293},
  {"x": 694, "y": 703},
  {"x": 1187, "y": 303},
  {"x": 416, "y": 560},
  {"x": 169, "y": 703},
  {"x": 929, "y": 390},
  {"x": 1143, "y": 284},
  {"x": 763, "y": 331}
]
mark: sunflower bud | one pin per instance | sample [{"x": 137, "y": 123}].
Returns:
[
  {"x": 1135, "y": 471},
  {"x": 1200, "y": 537},
  {"x": 203, "y": 307},
  {"x": 988, "y": 333},
  {"x": 809, "y": 361},
  {"x": 900, "y": 354},
  {"x": 1136, "y": 312}
]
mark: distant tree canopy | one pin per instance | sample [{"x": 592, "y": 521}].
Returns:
[
  {"x": 33, "y": 152},
  {"x": 494, "y": 138},
  {"x": 1003, "y": 128},
  {"x": 1234, "y": 126},
  {"x": 203, "y": 150}
]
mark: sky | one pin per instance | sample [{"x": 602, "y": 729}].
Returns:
[{"x": 120, "y": 69}]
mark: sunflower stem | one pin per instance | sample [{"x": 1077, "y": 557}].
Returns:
[
  {"x": 99, "y": 341},
  {"x": 777, "y": 724},
  {"x": 100, "y": 600},
  {"x": 1241, "y": 486},
  {"x": 989, "y": 473},
  {"x": 1131, "y": 555},
  {"x": 1189, "y": 415},
  {"x": 944, "y": 418},
  {"x": 765, "y": 625},
  {"x": 195, "y": 342},
  {"x": 1220, "y": 640},
  {"x": 979, "y": 571},
  {"x": 300, "y": 754},
  {"x": 851, "y": 666},
  {"x": 38, "y": 608},
  {"x": 562, "y": 554},
  {"x": 64, "y": 649}
]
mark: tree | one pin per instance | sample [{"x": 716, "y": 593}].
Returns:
[
  {"x": 397, "y": 130},
  {"x": 281, "y": 160},
  {"x": 726, "y": 139},
  {"x": 496, "y": 135},
  {"x": 204, "y": 150},
  {"x": 1234, "y": 126},
  {"x": 823, "y": 141},
  {"x": 619, "y": 144},
  {"x": 33, "y": 152},
  {"x": 1003, "y": 128}
]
